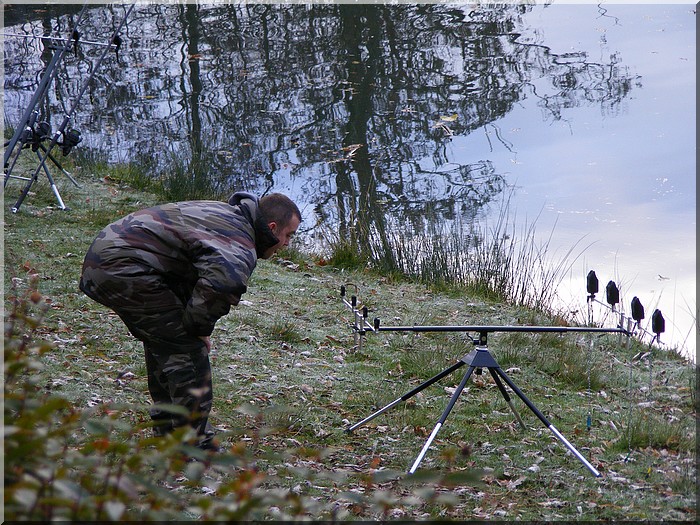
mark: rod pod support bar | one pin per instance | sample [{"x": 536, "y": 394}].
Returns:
[{"x": 476, "y": 360}]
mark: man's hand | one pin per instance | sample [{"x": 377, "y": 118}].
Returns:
[{"x": 207, "y": 342}]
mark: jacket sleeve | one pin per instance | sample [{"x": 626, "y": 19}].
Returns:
[{"x": 223, "y": 279}]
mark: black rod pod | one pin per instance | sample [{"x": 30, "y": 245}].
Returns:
[
  {"x": 592, "y": 283},
  {"x": 637, "y": 309},
  {"x": 612, "y": 294},
  {"x": 658, "y": 324},
  {"x": 342, "y": 291}
]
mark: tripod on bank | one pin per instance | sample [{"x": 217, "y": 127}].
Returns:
[
  {"x": 476, "y": 360},
  {"x": 33, "y": 137},
  {"x": 29, "y": 133}
]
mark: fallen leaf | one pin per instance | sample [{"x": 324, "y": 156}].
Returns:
[
  {"x": 553, "y": 503},
  {"x": 517, "y": 482},
  {"x": 450, "y": 118}
]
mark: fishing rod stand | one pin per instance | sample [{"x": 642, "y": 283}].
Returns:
[
  {"x": 360, "y": 325},
  {"x": 33, "y": 137},
  {"x": 476, "y": 361},
  {"x": 26, "y": 135}
]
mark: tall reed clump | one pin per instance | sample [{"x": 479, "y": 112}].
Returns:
[
  {"x": 494, "y": 261},
  {"x": 177, "y": 176},
  {"x": 516, "y": 265},
  {"x": 190, "y": 178}
]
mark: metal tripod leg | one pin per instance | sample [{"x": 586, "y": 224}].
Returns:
[
  {"x": 442, "y": 419},
  {"x": 408, "y": 395},
  {"x": 506, "y": 397},
  {"x": 51, "y": 181},
  {"x": 9, "y": 167},
  {"x": 34, "y": 178},
  {"x": 58, "y": 165},
  {"x": 545, "y": 421}
]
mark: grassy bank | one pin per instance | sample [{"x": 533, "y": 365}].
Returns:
[{"x": 289, "y": 378}]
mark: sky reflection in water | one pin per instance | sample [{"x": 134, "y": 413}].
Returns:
[{"x": 621, "y": 186}]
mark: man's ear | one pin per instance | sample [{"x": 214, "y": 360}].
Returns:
[{"x": 272, "y": 225}]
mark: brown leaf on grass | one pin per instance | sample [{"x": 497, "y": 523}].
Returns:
[{"x": 420, "y": 431}]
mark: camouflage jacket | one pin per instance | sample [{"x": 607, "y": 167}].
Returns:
[{"x": 204, "y": 251}]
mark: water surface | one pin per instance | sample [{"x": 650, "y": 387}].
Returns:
[{"x": 410, "y": 117}]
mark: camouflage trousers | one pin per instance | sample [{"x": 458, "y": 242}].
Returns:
[
  {"x": 178, "y": 374},
  {"x": 177, "y": 362},
  {"x": 181, "y": 379}
]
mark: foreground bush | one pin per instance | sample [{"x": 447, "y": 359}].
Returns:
[
  {"x": 68, "y": 463},
  {"x": 101, "y": 463}
]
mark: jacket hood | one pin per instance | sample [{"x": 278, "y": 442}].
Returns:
[
  {"x": 236, "y": 198},
  {"x": 248, "y": 203}
]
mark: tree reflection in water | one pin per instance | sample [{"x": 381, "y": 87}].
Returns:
[{"x": 350, "y": 109}]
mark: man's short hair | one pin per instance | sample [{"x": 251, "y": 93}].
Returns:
[{"x": 278, "y": 208}]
